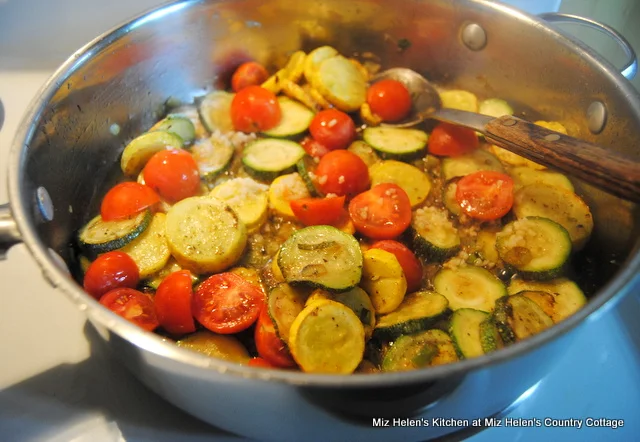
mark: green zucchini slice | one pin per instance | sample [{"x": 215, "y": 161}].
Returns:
[
  {"x": 537, "y": 248},
  {"x": 268, "y": 158},
  {"x": 99, "y": 236},
  {"x": 469, "y": 287},
  {"x": 321, "y": 256},
  {"x": 568, "y": 298},
  {"x": 215, "y": 112},
  {"x": 469, "y": 163},
  {"x": 419, "y": 311},
  {"x": 518, "y": 317},
  {"x": 295, "y": 119},
  {"x": 177, "y": 125},
  {"x": 306, "y": 167},
  {"x": 427, "y": 348},
  {"x": 489, "y": 336},
  {"x": 495, "y": 107},
  {"x": 523, "y": 176},
  {"x": 395, "y": 143},
  {"x": 449, "y": 197},
  {"x": 213, "y": 156},
  {"x": 142, "y": 148},
  {"x": 465, "y": 331},
  {"x": 434, "y": 236}
]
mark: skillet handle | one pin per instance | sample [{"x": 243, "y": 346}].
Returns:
[
  {"x": 9, "y": 233},
  {"x": 630, "y": 68},
  {"x": 608, "y": 170}
]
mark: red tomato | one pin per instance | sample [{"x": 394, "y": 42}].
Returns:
[
  {"x": 318, "y": 211},
  {"x": 313, "y": 148},
  {"x": 259, "y": 362},
  {"x": 450, "y": 140},
  {"x": 269, "y": 345},
  {"x": 333, "y": 129},
  {"x": 126, "y": 199},
  {"x": 173, "y": 303},
  {"x": 250, "y": 73},
  {"x": 132, "y": 305},
  {"x": 485, "y": 195},
  {"x": 255, "y": 109},
  {"x": 343, "y": 173},
  {"x": 411, "y": 265},
  {"x": 383, "y": 212},
  {"x": 110, "y": 271},
  {"x": 225, "y": 303},
  {"x": 173, "y": 174},
  {"x": 389, "y": 99}
]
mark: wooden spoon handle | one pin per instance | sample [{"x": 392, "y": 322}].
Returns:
[{"x": 605, "y": 169}]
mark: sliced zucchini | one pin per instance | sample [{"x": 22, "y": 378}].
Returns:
[
  {"x": 518, "y": 317},
  {"x": 485, "y": 246},
  {"x": 423, "y": 349},
  {"x": 321, "y": 256},
  {"x": 365, "y": 152},
  {"x": 213, "y": 156},
  {"x": 150, "y": 250},
  {"x": 356, "y": 299},
  {"x": 327, "y": 337},
  {"x": 306, "y": 168},
  {"x": 205, "y": 234},
  {"x": 285, "y": 303},
  {"x": 295, "y": 119},
  {"x": 567, "y": 296},
  {"x": 490, "y": 339},
  {"x": 215, "y": 112},
  {"x": 383, "y": 279},
  {"x": 469, "y": 287},
  {"x": 284, "y": 189},
  {"x": 469, "y": 163},
  {"x": 559, "y": 205},
  {"x": 142, "y": 148},
  {"x": 177, "y": 125},
  {"x": 412, "y": 180},
  {"x": 523, "y": 176},
  {"x": 434, "y": 236},
  {"x": 449, "y": 197},
  {"x": 419, "y": 311},
  {"x": 341, "y": 83},
  {"x": 459, "y": 99},
  {"x": 394, "y": 143},
  {"x": 465, "y": 331},
  {"x": 511, "y": 159},
  {"x": 215, "y": 346},
  {"x": 190, "y": 112},
  {"x": 313, "y": 60},
  {"x": 495, "y": 107},
  {"x": 99, "y": 236},
  {"x": 545, "y": 300},
  {"x": 268, "y": 158},
  {"x": 248, "y": 198},
  {"x": 537, "y": 248}
]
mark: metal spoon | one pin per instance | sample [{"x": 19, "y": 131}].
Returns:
[{"x": 603, "y": 168}]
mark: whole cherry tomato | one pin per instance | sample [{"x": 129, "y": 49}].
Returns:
[
  {"x": 126, "y": 199},
  {"x": 250, "y": 73},
  {"x": 333, "y": 129},
  {"x": 342, "y": 173},
  {"x": 173, "y": 174},
  {"x": 110, "y": 271},
  {"x": 255, "y": 109},
  {"x": 390, "y": 100}
]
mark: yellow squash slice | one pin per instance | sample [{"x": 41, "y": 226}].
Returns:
[
  {"x": 150, "y": 250},
  {"x": 248, "y": 198},
  {"x": 384, "y": 280},
  {"x": 341, "y": 83},
  {"x": 285, "y": 189}
]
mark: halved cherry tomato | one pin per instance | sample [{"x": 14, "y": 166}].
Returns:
[
  {"x": 269, "y": 345},
  {"x": 173, "y": 174},
  {"x": 318, "y": 211},
  {"x": 226, "y": 303},
  {"x": 173, "y": 303},
  {"x": 126, "y": 199},
  {"x": 485, "y": 195},
  {"x": 314, "y": 148},
  {"x": 110, "y": 271},
  {"x": 450, "y": 140},
  {"x": 250, "y": 73},
  {"x": 333, "y": 129},
  {"x": 255, "y": 109},
  {"x": 343, "y": 173},
  {"x": 389, "y": 99},
  {"x": 132, "y": 305},
  {"x": 411, "y": 265},
  {"x": 259, "y": 362},
  {"x": 383, "y": 212}
]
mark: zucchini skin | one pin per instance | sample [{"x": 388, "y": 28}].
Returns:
[
  {"x": 92, "y": 250},
  {"x": 501, "y": 315},
  {"x": 304, "y": 167},
  {"x": 468, "y": 342},
  {"x": 429, "y": 251}
]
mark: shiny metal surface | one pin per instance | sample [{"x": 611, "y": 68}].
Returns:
[
  {"x": 184, "y": 49},
  {"x": 9, "y": 233},
  {"x": 630, "y": 68},
  {"x": 474, "y": 37},
  {"x": 596, "y": 117}
]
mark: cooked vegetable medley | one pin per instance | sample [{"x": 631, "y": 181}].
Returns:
[{"x": 279, "y": 224}]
